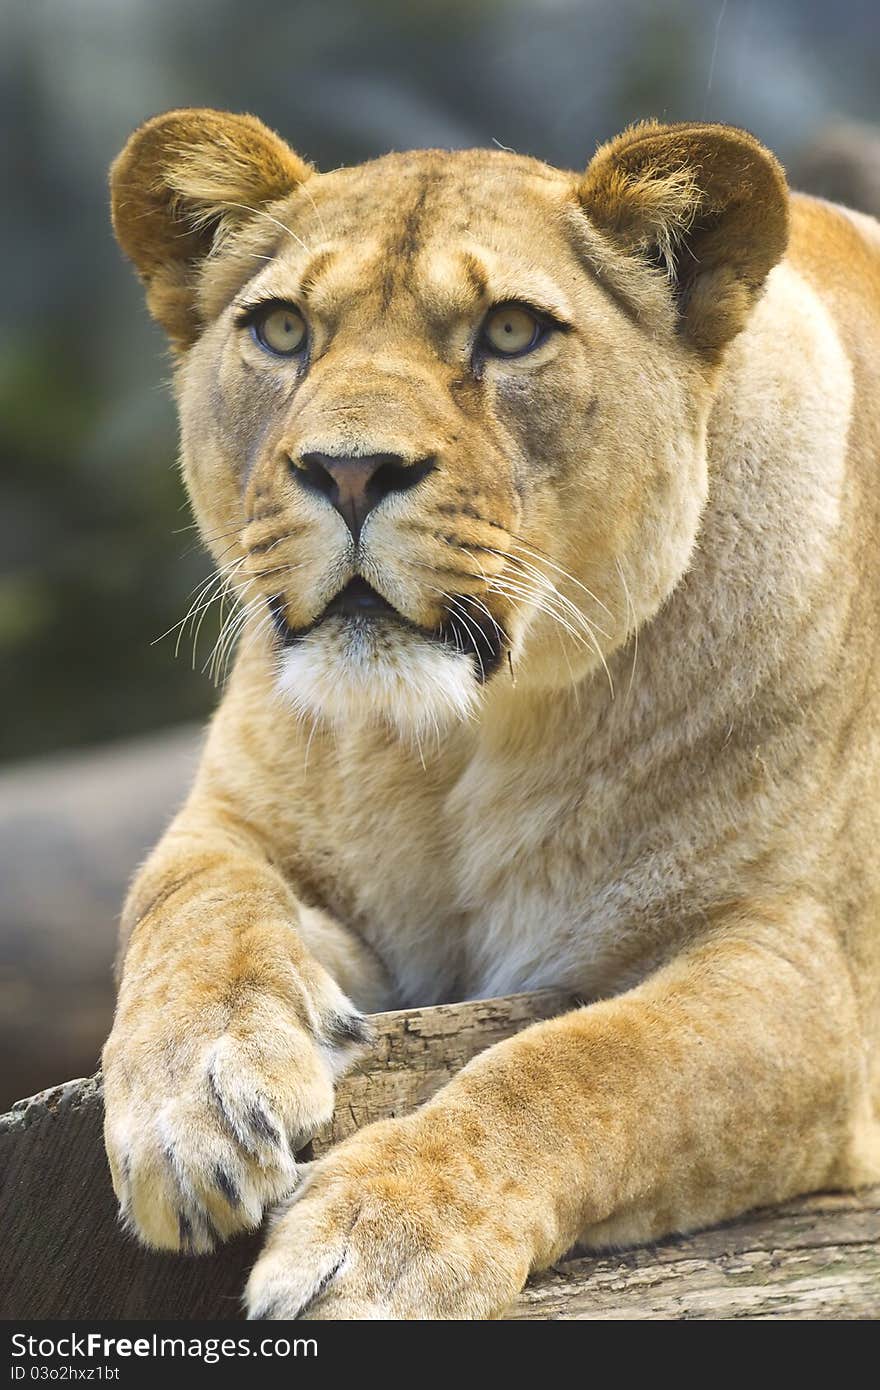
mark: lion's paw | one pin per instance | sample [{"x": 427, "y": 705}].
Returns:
[
  {"x": 389, "y": 1225},
  {"x": 202, "y": 1132}
]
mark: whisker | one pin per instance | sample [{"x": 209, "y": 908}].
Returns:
[
  {"x": 550, "y": 603},
  {"x": 222, "y": 594},
  {"x": 218, "y": 561},
  {"x": 523, "y": 581},
  {"x": 635, "y": 629},
  {"x": 198, "y": 628},
  {"x": 309, "y": 743},
  {"x": 304, "y": 188},
  {"x": 219, "y": 657},
  {"x": 197, "y": 604},
  {"x": 205, "y": 542},
  {"x": 529, "y": 572},
  {"x": 263, "y": 547},
  {"x": 472, "y": 628},
  {"x": 436, "y": 571},
  {"x": 543, "y": 602},
  {"x": 261, "y": 212},
  {"x": 220, "y": 536},
  {"x": 517, "y": 545},
  {"x": 577, "y": 614},
  {"x": 276, "y": 569},
  {"x": 491, "y": 616}
]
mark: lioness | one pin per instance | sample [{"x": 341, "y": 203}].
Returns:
[{"x": 551, "y": 503}]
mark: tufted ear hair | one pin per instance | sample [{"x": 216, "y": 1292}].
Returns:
[
  {"x": 184, "y": 184},
  {"x": 706, "y": 203}
]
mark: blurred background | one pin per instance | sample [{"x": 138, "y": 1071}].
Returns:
[{"x": 98, "y": 735}]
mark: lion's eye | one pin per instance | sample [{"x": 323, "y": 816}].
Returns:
[
  {"x": 280, "y": 329},
  {"x": 511, "y": 330}
]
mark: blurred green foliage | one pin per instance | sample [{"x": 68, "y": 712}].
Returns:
[
  {"x": 94, "y": 565},
  {"x": 101, "y": 571}
]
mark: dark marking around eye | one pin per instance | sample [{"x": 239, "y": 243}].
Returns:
[
  {"x": 476, "y": 276},
  {"x": 315, "y": 268},
  {"x": 248, "y": 313},
  {"x": 546, "y": 323}
]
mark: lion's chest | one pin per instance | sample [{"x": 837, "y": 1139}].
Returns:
[
  {"x": 536, "y": 847},
  {"x": 491, "y": 883}
]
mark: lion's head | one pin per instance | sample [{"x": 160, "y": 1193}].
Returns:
[{"x": 443, "y": 415}]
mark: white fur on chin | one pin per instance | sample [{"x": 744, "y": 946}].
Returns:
[{"x": 354, "y": 671}]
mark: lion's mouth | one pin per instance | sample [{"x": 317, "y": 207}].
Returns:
[
  {"x": 357, "y": 599},
  {"x": 466, "y": 629}
]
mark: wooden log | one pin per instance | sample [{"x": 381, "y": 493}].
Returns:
[
  {"x": 818, "y": 1257},
  {"x": 65, "y": 1255},
  {"x": 417, "y": 1050}
]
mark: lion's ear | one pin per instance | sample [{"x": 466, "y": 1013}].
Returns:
[
  {"x": 184, "y": 182},
  {"x": 707, "y": 203}
]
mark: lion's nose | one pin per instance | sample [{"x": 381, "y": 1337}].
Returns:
[{"x": 355, "y": 485}]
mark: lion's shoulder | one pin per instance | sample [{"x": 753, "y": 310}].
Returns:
[{"x": 838, "y": 251}]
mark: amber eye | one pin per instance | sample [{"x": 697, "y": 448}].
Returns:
[
  {"x": 511, "y": 330},
  {"x": 280, "y": 328}
]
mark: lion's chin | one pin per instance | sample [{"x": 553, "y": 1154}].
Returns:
[{"x": 351, "y": 672}]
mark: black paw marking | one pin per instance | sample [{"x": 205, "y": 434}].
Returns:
[
  {"x": 208, "y": 1233},
  {"x": 185, "y": 1231},
  {"x": 217, "y": 1098},
  {"x": 229, "y": 1124},
  {"x": 226, "y": 1184},
  {"x": 280, "y": 1309},
  {"x": 348, "y": 1028},
  {"x": 318, "y": 1290},
  {"x": 262, "y": 1126}
]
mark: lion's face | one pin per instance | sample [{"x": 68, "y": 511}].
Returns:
[{"x": 440, "y": 430}]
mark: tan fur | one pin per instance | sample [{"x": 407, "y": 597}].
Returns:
[{"x": 664, "y": 793}]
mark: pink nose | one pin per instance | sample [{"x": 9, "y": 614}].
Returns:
[{"x": 354, "y": 485}]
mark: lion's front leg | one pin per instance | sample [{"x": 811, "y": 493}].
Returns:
[
  {"x": 227, "y": 1036},
  {"x": 727, "y": 1080}
]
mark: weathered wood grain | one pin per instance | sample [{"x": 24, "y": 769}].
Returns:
[
  {"x": 417, "y": 1050},
  {"x": 66, "y": 1257},
  {"x": 818, "y": 1257}
]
